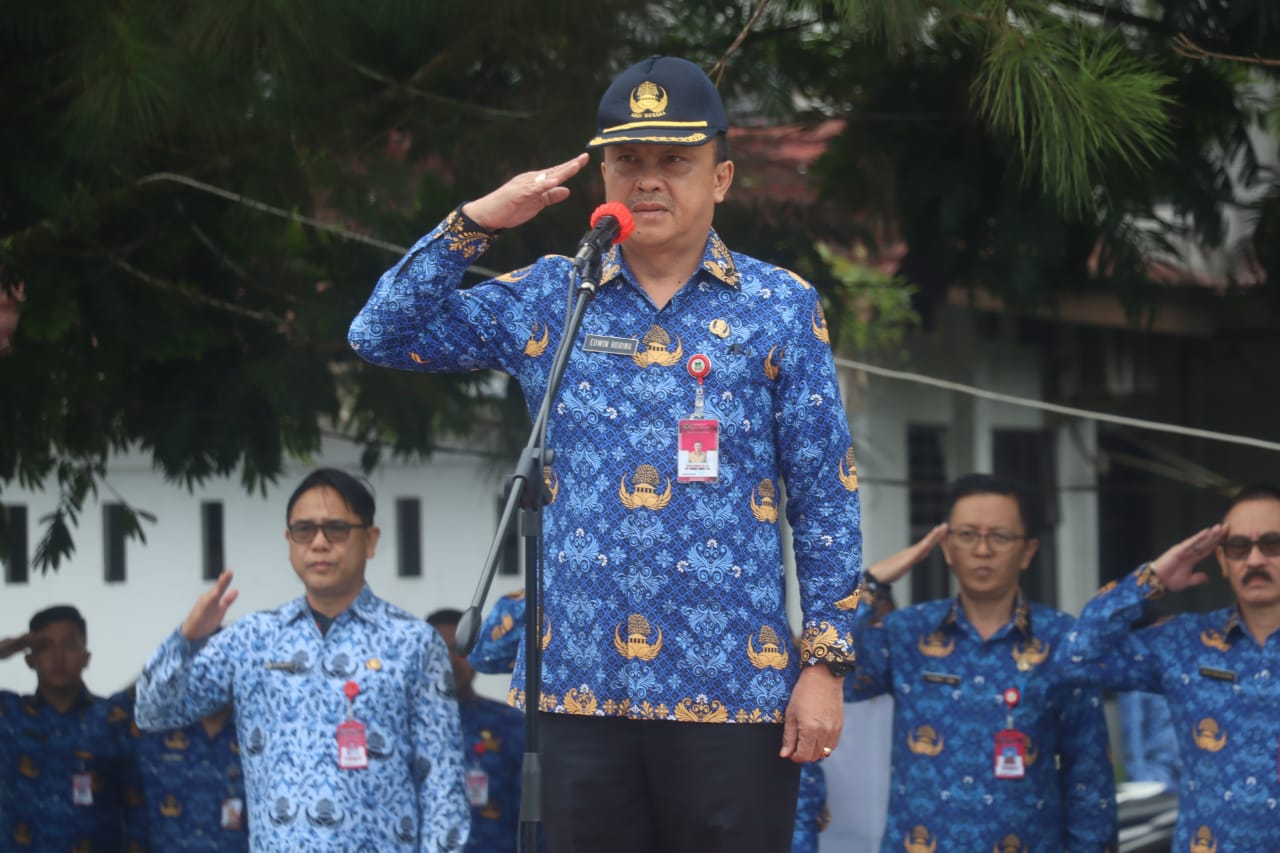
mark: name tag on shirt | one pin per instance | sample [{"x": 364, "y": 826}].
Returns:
[
  {"x": 1217, "y": 674},
  {"x": 610, "y": 345},
  {"x": 942, "y": 678}
]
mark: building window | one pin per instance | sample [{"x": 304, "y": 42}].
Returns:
[
  {"x": 212, "y": 541},
  {"x": 927, "y": 505},
  {"x": 1028, "y": 456},
  {"x": 15, "y": 536},
  {"x": 409, "y": 536},
  {"x": 114, "y": 524}
]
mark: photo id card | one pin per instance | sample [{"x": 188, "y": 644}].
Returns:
[
  {"x": 353, "y": 750},
  {"x": 1011, "y": 753},
  {"x": 698, "y": 454},
  {"x": 232, "y": 814},
  {"x": 82, "y": 788}
]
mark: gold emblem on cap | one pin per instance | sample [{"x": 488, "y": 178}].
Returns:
[
  {"x": 719, "y": 328},
  {"x": 648, "y": 100},
  {"x": 373, "y": 664}
]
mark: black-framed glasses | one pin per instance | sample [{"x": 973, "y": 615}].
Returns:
[
  {"x": 336, "y": 532},
  {"x": 997, "y": 540},
  {"x": 1239, "y": 547}
]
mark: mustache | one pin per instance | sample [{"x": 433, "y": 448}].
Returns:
[
  {"x": 1255, "y": 573},
  {"x": 647, "y": 198}
]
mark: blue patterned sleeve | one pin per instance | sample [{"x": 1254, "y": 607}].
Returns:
[
  {"x": 438, "y": 764},
  {"x": 811, "y": 431},
  {"x": 500, "y": 636},
  {"x": 418, "y": 319},
  {"x": 1103, "y": 649},
  {"x": 1085, "y": 774},
  {"x": 184, "y": 681},
  {"x": 872, "y": 676}
]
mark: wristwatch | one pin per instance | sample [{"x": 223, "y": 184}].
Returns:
[{"x": 838, "y": 668}]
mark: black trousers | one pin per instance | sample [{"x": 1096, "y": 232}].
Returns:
[{"x": 614, "y": 785}]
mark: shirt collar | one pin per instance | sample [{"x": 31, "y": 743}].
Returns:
[
  {"x": 1020, "y": 621},
  {"x": 716, "y": 262},
  {"x": 1234, "y": 623},
  {"x": 365, "y": 607}
]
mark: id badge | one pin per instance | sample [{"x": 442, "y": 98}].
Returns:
[
  {"x": 698, "y": 454},
  {"x": 477, "y": 787},
  {"x": 82, "y": 788},
  {"x": 1011, "y": 753},
  {"x": 232, "y": 814},
  {"x": 353, "y": 750}
]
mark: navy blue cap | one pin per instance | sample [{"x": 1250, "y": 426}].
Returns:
[{"x": 662, "y": 100}]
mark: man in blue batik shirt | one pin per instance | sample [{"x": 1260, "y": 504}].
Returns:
[
  {"x": 493, "y": 749},
  {"x": 675, "y": 712},
  {"x": 344, "y": 705},
  {"x": 990, "y": 751},
  {"x": 64, "y": 753},
  {"x": 193, "y": 786},
  {"x": 1217, "y": 671}
]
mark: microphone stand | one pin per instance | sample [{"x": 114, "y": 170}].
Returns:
[{"x": 527, "y": 496}]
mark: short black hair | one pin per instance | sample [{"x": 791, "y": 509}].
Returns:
[
  {"x": 356, "y": 493},
  {"x": 990, "y": 484},
  {"x": 444, "y": 616},
  {"x": 1254, "y": 492},
  {"x": 722, "y": 147},
  {"x": 59, "y": 613}
]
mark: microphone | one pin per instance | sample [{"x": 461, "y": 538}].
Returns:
[{"x": 611, "y": 223}]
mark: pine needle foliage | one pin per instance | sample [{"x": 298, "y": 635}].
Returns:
[{"x": 1069, "y": 92}]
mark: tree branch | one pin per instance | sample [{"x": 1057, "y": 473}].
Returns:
[
  {"x": 717, "y": 70},
  {"x": 1184, "y": 46}
]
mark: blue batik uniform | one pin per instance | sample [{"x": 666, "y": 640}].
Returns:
[
  {"x": 949, "y": 689},
  {"x": 194, "y": 789},
  {"x": 49, "y": 760},
  {"x": 501, "y": 634},
  {"x": 493, "y": 743},
  {"x": 1224, "y": 700},
  {"x": 287, "y": 681},
  {"x": 811, "y": 809},
  {"x": 664, "y": 600}
]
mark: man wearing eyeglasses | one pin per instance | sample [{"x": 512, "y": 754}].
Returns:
[
  {"x": 1219, "y": 671},
  {"x": 990, "y": 751},
  {"x": 344, "y": 704}
]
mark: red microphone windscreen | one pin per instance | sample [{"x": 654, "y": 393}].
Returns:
[{"x": 620, "y": 212}]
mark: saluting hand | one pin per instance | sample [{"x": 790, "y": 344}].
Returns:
[
  {"x": 210, "y": 609},
  {"x": 1176, "y": 567},
  {"x": 524, "y": 196},
  {"x": 896, "y": 565},
  {"x": 12, "y": 645}
]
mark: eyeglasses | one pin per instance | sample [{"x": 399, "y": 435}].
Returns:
[
  {"x": 336, "y": 532},
  {"x": 1239, "y": 547},
  {"x": 997, "y": 540}
]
